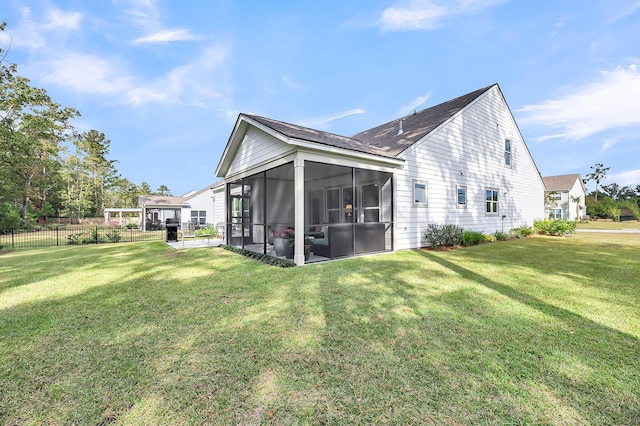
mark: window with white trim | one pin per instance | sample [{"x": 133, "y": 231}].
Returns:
[
  {"x": 491, "y": 201},
  {"x": 555, "y": 213},
  {"x": 461, "y": 196},
  {"x": 507, "y": 152},
  {"x": 556, "y": 196},
  {"x": 199, "y": 217},
  {"x": 419, "y": 193}
]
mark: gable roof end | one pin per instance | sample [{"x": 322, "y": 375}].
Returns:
[
  {"x": 388, "y": 137},
  {"x": 561, "y": 182}
]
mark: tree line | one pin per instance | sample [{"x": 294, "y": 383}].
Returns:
[
  {"x": 47, "y": 167},
  {"x": 613, "y": 200}
]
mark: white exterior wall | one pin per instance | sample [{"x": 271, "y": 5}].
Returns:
[
  {"x": 469, "y": 150},
  {"x": 211, "y": 201},
  {"x": 576, "y": 191},
  {"x": 256, "y": 148}
]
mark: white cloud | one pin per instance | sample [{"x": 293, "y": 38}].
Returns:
[
  {"x": 84, "y": 73},
  {"x": 291, "y": 83},
  {"x": 426, "y": 15},
  {"x": 411, "y": 106},
  {"x": 419, "y": 15},
  {"x": 629, "y": 177},
  {"x": 322, "y": 122},
  {"x": 612, "y": 102},
  {"x": 166, "y": 36},
  {"x": 33, "y": 35},
  {"x": 59, "y": 19},
  {"x": 193, "y": 81}
]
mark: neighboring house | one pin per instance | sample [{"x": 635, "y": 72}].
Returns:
[
  {"x": 194, "y": 209},
  {"x": 462, "y": 162},
  {"x": 561, "y": 195}
]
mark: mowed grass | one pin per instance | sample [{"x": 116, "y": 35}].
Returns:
[
  {"x": 602, "y": 224},
  {"x": 535, "y": 331}
]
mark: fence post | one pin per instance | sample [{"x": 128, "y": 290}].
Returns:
[
  {"x": 13, "y": 245},
  {"x": 57, "y": 237},
  {"x": 130, "y": 235}
]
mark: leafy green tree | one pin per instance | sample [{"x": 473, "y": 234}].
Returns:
[
  {"x": 577, "y": 199},
  {"x": 163, "y": 190},
  {"x": 145, "y": 189},
  {"x": 598, "y": 174},
  {"x": 32, "y": 130},
  {"x": 92, "y": 147},
  {"x": 122, "y": 193}
]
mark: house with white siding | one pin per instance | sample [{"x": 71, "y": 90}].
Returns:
[
  {"x": 565, "y": 197},
  {"x": 461, "y": 162},
  {"x": 192, "y": 210}
]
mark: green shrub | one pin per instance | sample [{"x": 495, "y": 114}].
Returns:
[
  {"x": 559, "y": 227},
  {"x": 444, "y": 235},
  {"x": 209, "y": 230},
  {"x": 472, "y": 238},
  {"x": 500, "y": 236},
  {"x": 114, "y": 236},
  {"x": 132, "y": 226},
  {"x": 75, "y": 239},
  {"x": 521, "y": 232},
  {"x": 488, "y": 238},
  {"x": 264, "y": 258}
]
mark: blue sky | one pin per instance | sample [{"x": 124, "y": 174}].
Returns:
[{"x": 165, "y": 80}]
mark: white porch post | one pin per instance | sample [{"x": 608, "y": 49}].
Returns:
[{"x": 298, "y": 199}]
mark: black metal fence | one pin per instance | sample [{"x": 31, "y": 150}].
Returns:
[{"x": 62, "y": 235}]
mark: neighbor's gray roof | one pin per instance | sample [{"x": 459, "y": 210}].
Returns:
[
  {"x": 382, "y": 140},
  {"x": 560, "y": 183},
  {"x": 160, "y": 200}
]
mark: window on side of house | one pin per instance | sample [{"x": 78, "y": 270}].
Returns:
[
  {"x": 507, "y": 152},
  {"x": 491, "y": 201},
  {"x": 556, "y": 196},
  {"x": 461, "y": 196},
  {"x": 555, "y": 213},
  {"x": 419, "y": 193},
  {"x": 199, "y": 217}
]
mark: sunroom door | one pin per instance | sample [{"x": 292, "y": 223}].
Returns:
[{"x": 240, "y": 220}]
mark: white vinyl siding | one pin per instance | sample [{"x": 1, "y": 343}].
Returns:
[
  {"x": 257, "y": 147},
  {"x": 468, "y": 150}
]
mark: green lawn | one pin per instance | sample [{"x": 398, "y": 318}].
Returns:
[
  {"x": 535, "y": 331},
  {"x": 609, "y": 224}
]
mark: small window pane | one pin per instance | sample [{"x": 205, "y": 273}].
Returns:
[
  {"x": 507, "y": 152},
  {"x": 491, "y": 197},
  {"x": 462, "y": 196},
  {"x": 420, "y": 193}
]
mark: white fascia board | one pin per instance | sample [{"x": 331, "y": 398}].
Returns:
[{"x": 235, "y": 139}]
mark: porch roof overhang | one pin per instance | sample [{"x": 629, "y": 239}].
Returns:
[
  {"x": 243, "y": 122},
  {"x": 164, "y": 206}
]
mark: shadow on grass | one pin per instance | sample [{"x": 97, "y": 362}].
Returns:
[{"x": 411, "y": 337}]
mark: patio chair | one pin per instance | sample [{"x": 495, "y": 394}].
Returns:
[{"x": 189, "y": 234}]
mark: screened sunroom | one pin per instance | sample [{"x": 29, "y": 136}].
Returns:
[{"x": 343, "y": 211}]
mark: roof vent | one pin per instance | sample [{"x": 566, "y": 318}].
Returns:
[{"x": 400, "y": 127}]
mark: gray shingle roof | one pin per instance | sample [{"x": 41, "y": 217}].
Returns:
[
  {"x": 415, "y": 126},
  {"x": 305, "y": 133},
  {"x": 560, "y": 183},
  {"x": 382, "y": 140}
]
